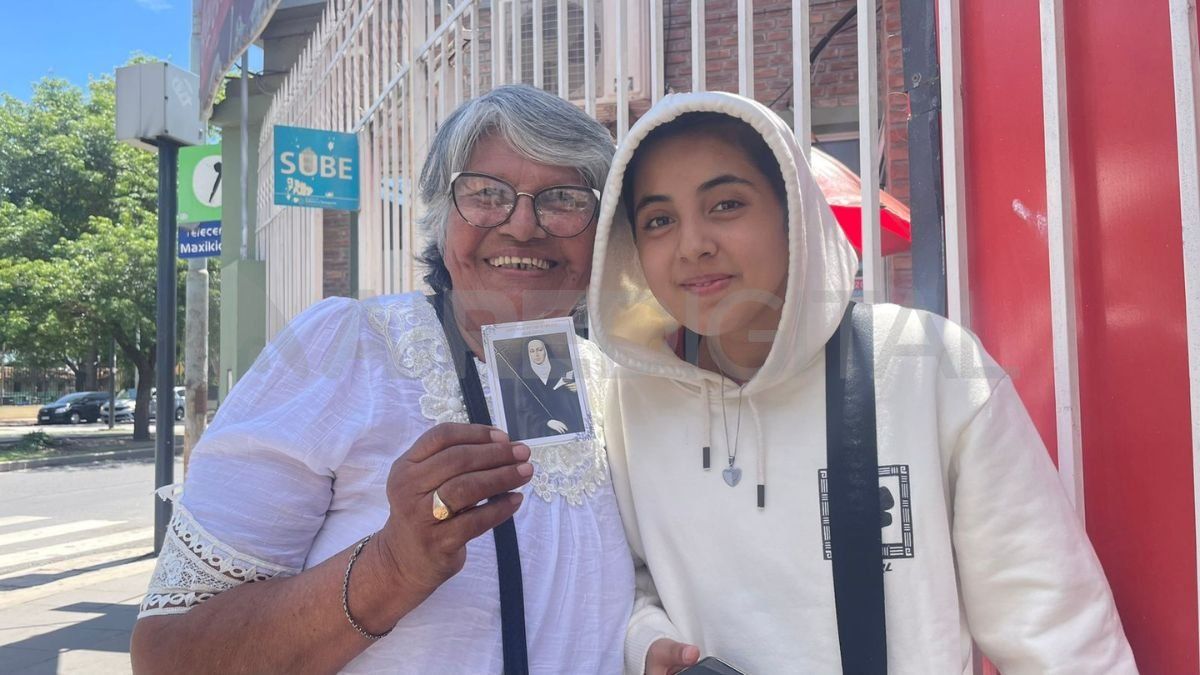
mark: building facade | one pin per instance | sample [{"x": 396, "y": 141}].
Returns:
[{"x": 1067, "y": 232}]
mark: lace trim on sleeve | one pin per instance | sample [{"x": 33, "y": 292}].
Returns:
[
  {"x": 193, "y": 566},
  {"x": 418, "y": 349}
]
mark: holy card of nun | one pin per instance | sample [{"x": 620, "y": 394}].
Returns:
[{"x": 536, "y": 387}]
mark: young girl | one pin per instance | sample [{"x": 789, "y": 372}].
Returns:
[{"x": 719, "y": 276}]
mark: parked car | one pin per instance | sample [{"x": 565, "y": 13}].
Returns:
[
  {"x": 127, "y": 401},
  {"x": 179, "y": 404},
  {"x": 124, "y": 410},
  {"x": 82, "y": 406}
]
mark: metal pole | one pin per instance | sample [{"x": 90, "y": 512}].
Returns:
[
  {"x": 1060, "y": 236},
  {"x": 954, "y": 196},
  {"x": 1185, "y": 59},
  {"x": 874, "y": 281},
  {"x": 112, "y": 385},
  {"x": 354, "y": 261},
  {"x": 195, "y": 356},
  {"x": 921, "y": 75},
  {"x": 164, "y": 366},
  {"x": 244, "y": 133}
]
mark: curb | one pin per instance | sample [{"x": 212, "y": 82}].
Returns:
[{"x": 140, "y": 452}]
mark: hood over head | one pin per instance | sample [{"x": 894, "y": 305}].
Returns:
[{"x": 630, "y": 324}]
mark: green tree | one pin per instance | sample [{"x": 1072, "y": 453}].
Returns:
[{"x": 77, "y": 235}]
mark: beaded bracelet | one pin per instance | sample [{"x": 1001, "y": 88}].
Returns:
[{"x": 346, "y": 593}]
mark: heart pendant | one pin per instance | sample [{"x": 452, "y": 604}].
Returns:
[{"x": 732, "y": 476}]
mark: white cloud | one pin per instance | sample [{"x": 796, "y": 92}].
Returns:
[{"x": 154, "y": 5}]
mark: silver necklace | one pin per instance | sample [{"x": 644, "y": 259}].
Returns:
[{"x": 732, "y": 474}]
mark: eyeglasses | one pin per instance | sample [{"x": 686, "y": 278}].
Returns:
[{"x": 486, "y": 201}]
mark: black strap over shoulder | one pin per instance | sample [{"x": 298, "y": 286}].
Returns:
[
  {"x": 508, "y": 555},
  {"x": 856, "y": 535}
]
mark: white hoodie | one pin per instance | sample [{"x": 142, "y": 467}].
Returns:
[{"x": 983, "y": 543}]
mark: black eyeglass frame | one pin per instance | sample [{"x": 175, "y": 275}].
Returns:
[{"x": 537, "y": 217}]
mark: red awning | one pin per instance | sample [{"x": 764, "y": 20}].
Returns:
[{"x": 842, "y": 190}]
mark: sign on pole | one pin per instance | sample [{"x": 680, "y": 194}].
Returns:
[
  {"x": 316, "y": 168},
  {"x": 227, "y": 28},
  {"x": 199, "y": 184},
  {"x": 200, "y": 240}
]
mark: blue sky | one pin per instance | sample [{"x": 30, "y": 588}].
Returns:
[{"x": 73, "y": 39}]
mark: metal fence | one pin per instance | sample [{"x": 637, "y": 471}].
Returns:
[
  {"x": 391, "y": 70},
  {"x": 33, "y": 386}
]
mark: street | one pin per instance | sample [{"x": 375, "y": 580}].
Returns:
[{"x": 75, "y": 545}]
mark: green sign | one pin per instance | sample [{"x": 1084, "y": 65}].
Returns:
[{"x": 199, "y": 184}]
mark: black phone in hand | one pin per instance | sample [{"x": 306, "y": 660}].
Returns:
[{"x": 711, "y": 665}]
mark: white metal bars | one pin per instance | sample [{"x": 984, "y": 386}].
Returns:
[
  {"x": 539, "y": 44},
  {"x": 290, "y": 240},
  {"x": 391, "y": 71},
  {"x": 801, "y": 76},
  {"x": 745, "y": 31},
  {"x": 1060, "y": 232},
  {"x": 622, "y": 89},
  {"x": 958, "y": 301},
  {"x": 874, "y": 282},
  {"x": 1185, "y": 51},
  {"x": 656, "y": 51},
  {"x": 699, "y": 48},
  {"x": 564, "y": 73},
  {"x": 589, "y": 58}
]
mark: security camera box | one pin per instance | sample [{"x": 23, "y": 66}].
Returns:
[{"x": 158, "y": 101}]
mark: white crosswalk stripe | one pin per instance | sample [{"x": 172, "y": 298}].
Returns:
[
  {"x": 11, "y": 598},
  {"x": 58, "y": 568},
  {"x": 50, "y": 531},
  {"x": 43, "y": 556},
  {"x": 74, "y": 548},
  {"x": 20, "y": 520}
]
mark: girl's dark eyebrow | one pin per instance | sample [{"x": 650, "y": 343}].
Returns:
[
  {"x": 650, "y": 199},
  {"x": 723, "y": 179}
]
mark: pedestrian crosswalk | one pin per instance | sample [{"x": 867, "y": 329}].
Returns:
[
  {"x": 53, "y": 531},
  {"x": 19, "y": 520},
  {"x": 41, "y": 549}
]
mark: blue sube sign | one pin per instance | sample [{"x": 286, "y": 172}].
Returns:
[
  {"x": 316, "y": 168},
  {"x": 201, "y": 240}
]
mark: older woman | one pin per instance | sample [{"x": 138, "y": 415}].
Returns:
[{"x": 336, "y": 514}]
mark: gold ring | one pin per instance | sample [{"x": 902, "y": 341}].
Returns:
[{"x": 440, "y": 510}]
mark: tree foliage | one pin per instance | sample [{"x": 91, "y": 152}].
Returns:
[{"x": 77, "y": 234}]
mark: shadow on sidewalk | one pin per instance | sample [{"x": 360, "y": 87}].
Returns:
[
  {"x": 31, "y": 580},
  {"x": 109, "y": 632}
]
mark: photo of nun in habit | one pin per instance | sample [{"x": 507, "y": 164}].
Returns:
[{"x": 544, "y": 398}]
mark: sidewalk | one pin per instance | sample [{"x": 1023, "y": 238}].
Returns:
[
  {"x": 98, "y": 447},
  {"x": 59, "y": 620},
  {"x": 73, "y": 570},
  {"x": 102, "y": 452}
]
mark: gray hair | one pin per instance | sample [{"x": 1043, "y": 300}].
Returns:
[{"x": 540, "y": 126}]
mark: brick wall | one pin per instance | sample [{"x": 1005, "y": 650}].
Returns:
[
  {"x": 335, "y": 254},
  {"x": 834, "y": 75},
  {"x": 895, "y": 105},
  {"x": 834, "y": 78},
  {"x": 895, "y": 143}
]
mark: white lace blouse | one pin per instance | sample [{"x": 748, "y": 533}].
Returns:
[{"x": 293, "y": 468}]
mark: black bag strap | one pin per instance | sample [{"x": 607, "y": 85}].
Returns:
[
  {"x": 508, "y": 555},
  {"x": 856, "y": 534}
]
